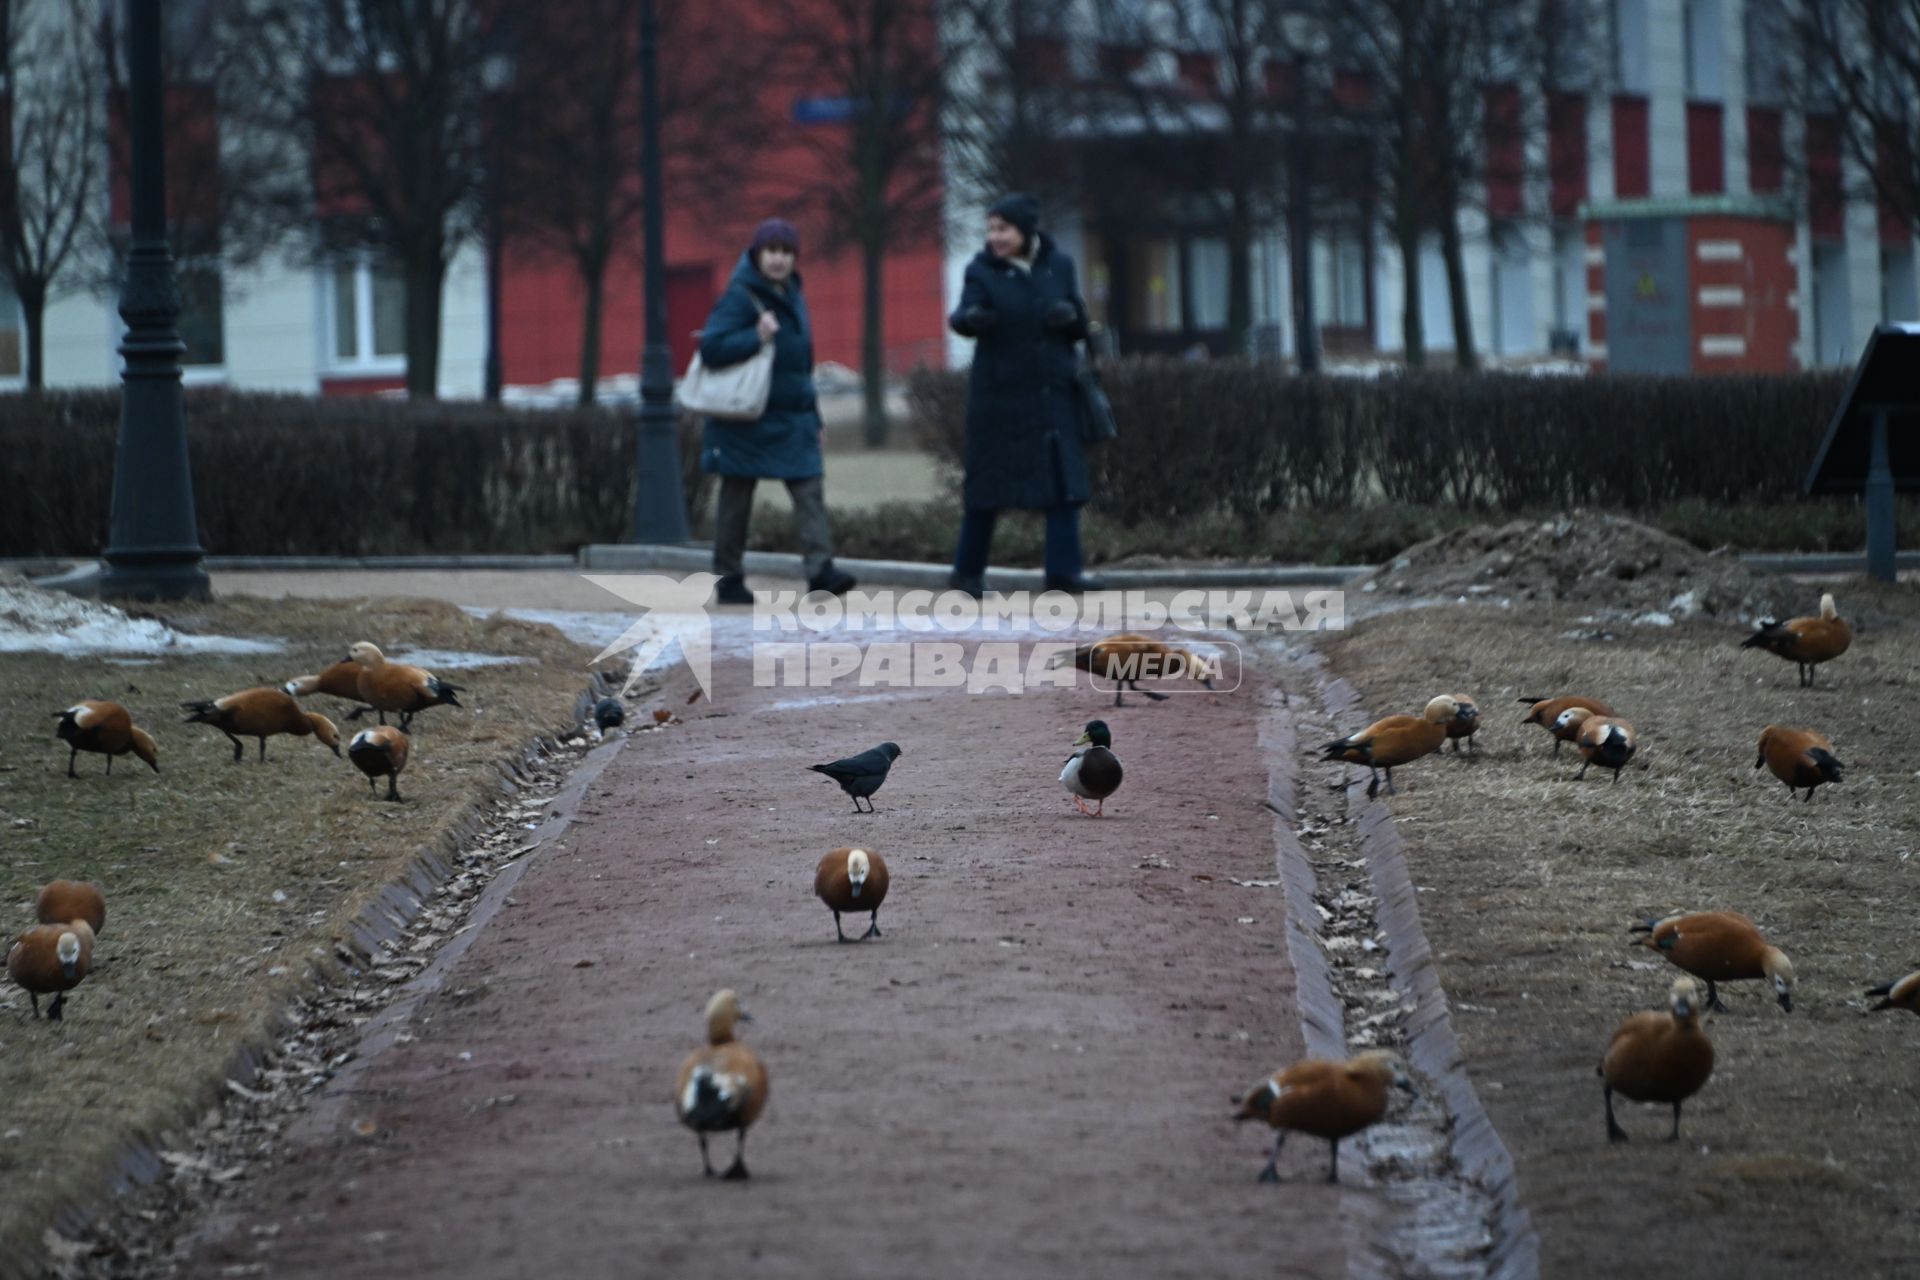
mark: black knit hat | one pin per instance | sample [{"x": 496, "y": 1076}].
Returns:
[
  {"x": 1019, "y": 209},
  {"x": 774, "y": 231}
]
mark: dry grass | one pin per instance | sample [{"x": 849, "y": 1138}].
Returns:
[
  {"x": 1797, "y": 1157},
  {"x": 198, "y": 949}
]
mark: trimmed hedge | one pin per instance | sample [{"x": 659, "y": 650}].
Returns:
[
  {"x": 1202, "y": 438},
  {"x": 295, "y": 475}
]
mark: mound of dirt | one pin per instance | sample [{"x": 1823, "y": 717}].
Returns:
[{"x": 1600, "y": 564}]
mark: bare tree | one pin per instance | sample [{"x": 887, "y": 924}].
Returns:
[
  {"x": 50, "y": 173},
  {"x": 1005, "y": 111},
  {"x": 877, "y": 64},
  {"x": 1861, "y": 62},
  {"x": 387, "y": 97},
  {"x": 569, "y": 130}
]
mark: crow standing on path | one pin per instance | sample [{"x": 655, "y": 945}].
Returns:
[{"x": 862, "y": 775}]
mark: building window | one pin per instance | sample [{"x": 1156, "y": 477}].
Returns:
[
  {"x": 1631, "y": 71},
  {"x": 1154, "y": 271},
  {"x": 1705, "y": 62},
  {"x": 1208, "y": 265},
  {"x": 13, "y": 330},
  {"x": 367, "y": 300}
]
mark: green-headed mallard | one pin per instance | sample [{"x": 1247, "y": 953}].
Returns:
[{"x": 1093, "y": 772}]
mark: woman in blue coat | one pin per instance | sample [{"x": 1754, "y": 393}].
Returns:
[
  {"x": 1021, "y": 304},
  {"x": 764, "y": 303}
]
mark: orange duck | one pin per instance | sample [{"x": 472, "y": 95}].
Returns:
[
  {"x": 63, "y": 901},
  {"x": 1658, "y": 1057},
  {"x": 1396, "y": 740},
  {"x": 1720, "y": 946},
  {"x": 261, "y": 713},
  {"x": 103, "y": 728},
  {"x": 1798, "y": 757},
  {"x": 723, "y": 1086},
  {"x": 1331, "y": 1100},
  {"x": 1125, "y": 657},
  {"x": 51, "y": 959},
  {"x": 341, "y": 680},
  {"x": 397, "y": 687},
  {"x": 852, "y": 880},
  {"x": 1806, "y": 642},
  {"x": 1607, "y": 741},
  {"x": 1551, "y": 715}
]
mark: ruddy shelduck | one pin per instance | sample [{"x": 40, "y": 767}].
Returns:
[
  {"x": 104, "y": 728},
  {"x": 1904, "y": 994},
  {"x": 1550, "y": 714},
  {"x": 723, "y": 1086},
  {"x": 341, "y": 680},
  {"x": 64, "y": 901},
  {"x": 1607, "y": 741},
  {"x": 1395, "y": 741},
  {"x": 51, "y": 959},
  {"x": 397, "y": 687},
  {"x": 1126, "y": 658},
  {"x": 1331, "y": 1100},
  {"x": 380, "y": 752},
  {"x": 261, "y": 713},
  {"x": 1719, "y": 946},
  {"x": 1465, "y": 722},
  {"x": 1805, "y": 642},
  {"x": 1798, "y": 757},
  {"x": 852, "y": 880},
  {"x": 1658, "y": 1057}
]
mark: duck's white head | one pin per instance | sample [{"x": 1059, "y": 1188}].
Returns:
[
  {"x": 1683, "y": 998},
  {"x": 1827, "y": 610},
  {"x": 366, "y": 653},
  {"x": 859, "y": 867},
  {"x": 68, "y": 949},
  {"x": 1571, "y": 718},
  {"x": 1779, "y": 971},
  {"x": 1442, "y": 709}
]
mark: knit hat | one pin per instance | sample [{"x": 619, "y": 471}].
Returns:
[
  {"x": 774, "y": 231},
  {"x": 1022, "y": 210}
]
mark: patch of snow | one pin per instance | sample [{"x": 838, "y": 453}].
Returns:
[
  {"x": 33, "y": 620},
  {"x": 1655, "y": 619},
  {"x": 431, "y": 658}
]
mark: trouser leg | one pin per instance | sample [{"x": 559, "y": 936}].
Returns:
[
  {"x": 1064, "y": 558},
  {"x": 810, "y": 524},
  {"x": 734, "y": 507},
  {"x": 975, "y": 542}
]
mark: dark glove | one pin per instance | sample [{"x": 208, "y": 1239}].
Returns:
[
  {"x": 1062, "y": 315},
  {"x": 976, "y": 320}
]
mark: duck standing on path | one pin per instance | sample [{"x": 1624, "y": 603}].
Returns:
[
  {"x": 1093, "y": 772},
  {"x": 852, "y": 880},
  {"x": 723, "y": 1086},
  {"x": 104, "y": 728},
  {"x": 1331, "y": 1100},
  {"x": 1658, "y": 1057},
  {"x": 860, "y": 776}
]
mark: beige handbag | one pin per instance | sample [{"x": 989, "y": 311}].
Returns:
[{"x": 737, "y": 393}]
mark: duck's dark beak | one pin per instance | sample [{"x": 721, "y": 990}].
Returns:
[
  {"x": 1786, "y": 1001},
  {"x": 745, "y": 1016}
]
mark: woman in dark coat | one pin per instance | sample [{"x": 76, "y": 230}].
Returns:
[
  {"x": 763, "y": 302},
  {"x": 1021, "y": 303}
]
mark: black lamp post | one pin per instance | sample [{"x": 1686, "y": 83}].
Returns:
[
  {"x": 153, "y": 550},
  {"x": 496, "y": 78},
  {"x": 659, "y": 507}
]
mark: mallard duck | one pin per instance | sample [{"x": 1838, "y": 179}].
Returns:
[
  {"x": 1658, "y": 1057},
  {"x": 1093, "y": 772},
  {"x": 1806, "y": 642},
  {"x": 1720, "y": 946}
]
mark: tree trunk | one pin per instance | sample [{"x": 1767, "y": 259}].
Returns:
[
  {"x": 1465, "y": 357},
  {"x": 1406, "y": 230},
  {"x": 426, "y": 272},
  {"x": 873, "y": 369},
  {"x": 1306, "y": 318},
  {"x": 593, "y": 273},
  {"x": 1240, "y": 276},
  {"x": 33, "y": 314}
]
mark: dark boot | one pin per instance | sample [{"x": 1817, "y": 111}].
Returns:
[
  {"x": 831, "y": 580},
  {"x": 732, "y": 589}
]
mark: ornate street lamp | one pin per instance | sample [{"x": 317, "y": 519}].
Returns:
[
  {"x": 660, "y": 508},
  {"x": 153, "y": 550},
  {"x": 496, "y": 78}
]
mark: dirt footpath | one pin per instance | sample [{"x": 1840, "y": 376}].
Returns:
[{"x": 1027, "y": 1076}]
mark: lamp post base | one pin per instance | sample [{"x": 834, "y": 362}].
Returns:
[{"x": 145, "y": 576}]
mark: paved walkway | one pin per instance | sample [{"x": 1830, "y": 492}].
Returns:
[{"x": 1027, "y": 1076}]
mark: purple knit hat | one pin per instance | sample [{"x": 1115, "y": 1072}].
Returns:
[{"x": 774, "y": 231}]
